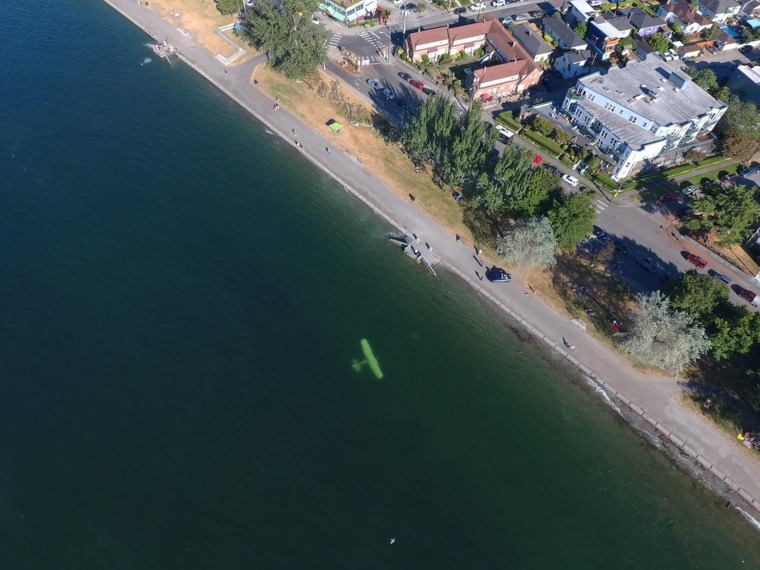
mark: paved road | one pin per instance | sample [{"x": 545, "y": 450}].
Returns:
[{"x": 658, "y": 396}]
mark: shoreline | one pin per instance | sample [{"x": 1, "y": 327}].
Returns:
[{"x": 655, "y": 405}]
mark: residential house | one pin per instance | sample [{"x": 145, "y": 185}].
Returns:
[
  {"x": 561, "y": 33},
  {"x": 573, "y": 64},
  {"x": 531, "y": 42},
  {"x": 580, "y": 11},
  {"x": 646, "y": 52},
  {"x": 646, "y": 113},
  {"x": 605, "y": 32},
  {"x": 719, "y": 11},
  {"x": 745, "y": 82},
  {"x": 646, "y": 25},
  {"x": 510, "y": 68},
  {"x": 432, "y": 43},
  {"x": 692, "y": 22}
]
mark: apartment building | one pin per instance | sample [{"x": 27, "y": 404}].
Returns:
[{"x": 646, "y": 113}]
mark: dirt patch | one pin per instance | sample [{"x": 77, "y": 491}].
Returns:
[
  {"x": 380, "y": 156},
  {"x": 200, "y": 20}
]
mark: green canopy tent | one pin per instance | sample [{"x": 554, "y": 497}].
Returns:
[{"x": 335, "y": 126}]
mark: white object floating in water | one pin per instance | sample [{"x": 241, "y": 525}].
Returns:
[
  {"x": 393, "y": 540},
  {"x": 146, "y": 60}
]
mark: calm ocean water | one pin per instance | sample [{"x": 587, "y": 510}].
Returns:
[{"x": 178, "y": 320}]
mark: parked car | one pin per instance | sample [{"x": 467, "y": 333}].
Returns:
[
  {"x": 389, "y": 94},
  {"x": 498, "y": 3},
  {"x": 721, "y": 276},
  {"x": 497, "y": 275},
  {"x": 314, "y": 20},
  {"x": 696, "y": 260},
  {"x": 519, "y": 18},
  {"x": 428, "y": 91},
  {"x": 665, "y": 198},
  {"x": 417, "y": 84},
  {"x": 601, "y": 235},
  {"x": 689, "y": 190},
  {"x": 646, "y": 263},
  {"x": 745, "y": 49},
  {"x": 747, "y": 295},
  {"x": 374, "y": 83},
  {"x": 537, "y": 14},
  {"x": 404, "y": 75},
  {"x": 460, "y": 10},
  {"x": 506, "y": 20},
  {"x": 571, "y": 180},
  {"x": 750, "y": 171},
  {"x": 477, "y": 7}
]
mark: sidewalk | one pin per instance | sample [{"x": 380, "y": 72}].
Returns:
[{"x": 656, "y": 399}]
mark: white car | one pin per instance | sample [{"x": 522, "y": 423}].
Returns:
[
  {"x": 571, "y": 180},
  {"x": 374, "y": 83},
  {"x": 504, "y": 130},
  {"x": 314, "y": 20},
  {"x": 477, "y": 7},
  {"x": 498, "y": 3},
  {"x": 689, "y": 190},
  {"x": 388, "y": 93}
]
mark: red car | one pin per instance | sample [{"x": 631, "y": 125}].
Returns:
[
  {"x": 696, "y": 260},
  {"x": 746, "y": 294},
  {"x": 417, "y": 84},
  {"x": 668, "y": 198}
]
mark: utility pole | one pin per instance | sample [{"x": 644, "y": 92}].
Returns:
[{"x": 388, "y": 53}]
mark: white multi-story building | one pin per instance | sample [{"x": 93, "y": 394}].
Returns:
[{"x": 642, "y": 114}]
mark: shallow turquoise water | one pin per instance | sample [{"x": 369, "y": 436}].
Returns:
[{"x": 179, "y": 321}]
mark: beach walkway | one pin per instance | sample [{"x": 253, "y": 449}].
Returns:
[{"x": 656, "y": 399}]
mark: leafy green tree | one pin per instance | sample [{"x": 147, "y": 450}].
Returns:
[
  {"x": 731, "y": 211},
  {"x": 581, "y": 29},
  {"x": 696, "y": 294},
  {"x": 542, "y": 125},
  {"x": 659, "y": 42},
  {"x": 427, "y": 137},
  {"x": 733, "y": 332},
  {"x": 664, "y": 337},
  {"x": 530, "y": 243},
  {"x": 283, "y": 29},
  {"x": 472, "y": 142},
  {"x": 705, "y": 78},
  {"x": 741, "y": 118},
  {"x": 229, "y": 6},
  {"x": 738, "y": 146},
  {"x": 572, "y": 217}
]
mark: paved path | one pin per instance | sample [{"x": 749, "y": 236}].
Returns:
[{"x": 656, "y": 398}]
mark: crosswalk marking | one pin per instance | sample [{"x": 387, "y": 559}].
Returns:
[
  {"x": 334, "y": 40},
  {"x": 600, "y": 206}
]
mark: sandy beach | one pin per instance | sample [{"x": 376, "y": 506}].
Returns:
[{"x": 653, "y": 400}]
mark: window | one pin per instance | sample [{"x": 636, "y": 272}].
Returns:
[{"x": 632, "y": 120}]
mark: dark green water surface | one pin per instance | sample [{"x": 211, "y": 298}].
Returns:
[{"x": 178, "y": 316}]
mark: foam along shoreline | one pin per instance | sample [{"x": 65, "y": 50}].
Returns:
[{"x": 655, "y": 400}]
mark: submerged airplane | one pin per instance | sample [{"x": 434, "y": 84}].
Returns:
[{"x": 370, "y": 359}]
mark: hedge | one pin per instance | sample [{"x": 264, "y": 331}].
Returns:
[
  {"x": 547, "y": 144},
  {"x": 604, "y": 180},
  {"x": 506, "y": 119}
]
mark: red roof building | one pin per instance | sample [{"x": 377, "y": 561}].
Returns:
[{"x": 509, "y": 69}]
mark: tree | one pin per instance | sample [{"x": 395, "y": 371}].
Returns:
[
  {"x": 705, "y": 78},
  {"x": 696, "y": 294},
  {"x": 741, "y": 118},
  {"x": 572, "y": 217},
  {"x": 542, "y": 125},
  {"x": 659, "y": 42},
  {"x": 694, "y": 155},
  {"x": 731, "y": 211},
  {"x": 427, "y": 137},
  {"x": 283, "y": 29},
  {"x": 581, "y": 29},
  {"x": 663, "y": 337},
  {"x": 228, "y": 6},
  {"x": 738, "y": 146},
  {"x": 470, "y": 146},
  {"x": 530, "y": 243},
  {"x": 733, "y": 332},
  {"x": 515, "y": 187}
]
